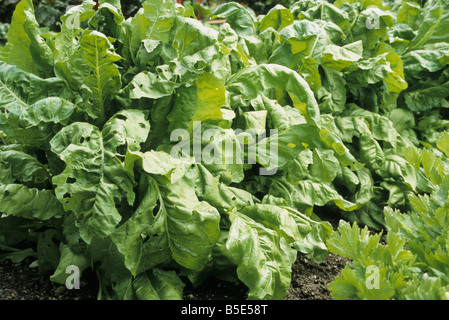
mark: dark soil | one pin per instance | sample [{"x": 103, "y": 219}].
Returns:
[
  {"x": 19, "y": 281},
  {"x": 309, "y": 282}
]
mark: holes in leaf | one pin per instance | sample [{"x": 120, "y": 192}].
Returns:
[
  {"x": 199, "y": 65},
  {"x": 70, "y": 180},
  {"x": 157, "y": 208},
  {"x": 66, "y": 195},
  {"x": 82, "y": 140},
  {"x": 142, "y": 125},
  {"x": 122, "y": 149},
  {"x": 121, "y": 117}
]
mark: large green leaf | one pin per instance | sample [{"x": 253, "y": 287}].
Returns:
[
  {"x": 153, "y": 22},
  {"x": 431, "y": 18},
  {"x": 19, "y": 88},
  {"x": 174, "y": 222},
  {"x": 69, "y": 61},
  {"x": 253, "y": 80},
  {"x": 201, "y": 102},
  {"x": 142, "y": 238},
  {"x": 104, "y": 79},
  {"x": 23, "y": 167},
  {"x": 237, "y": 16},
  {"x": 300, "y": 231},
  {"x": 21, "y": 201},
  {"x": 94, "y": 170},
  {"x": 31, "y": 52},
  {"x": 263, "y": 258},
  {"x": 277, "y": 18},
  {"x": 191, "y": 226},
  {"x": 33, "y": 108}
]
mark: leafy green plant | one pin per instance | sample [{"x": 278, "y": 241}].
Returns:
[
  {"x": 414, "y": 261},
  {"x": 156, "y": 149}
]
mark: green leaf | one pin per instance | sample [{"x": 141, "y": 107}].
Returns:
[
  {"x": 23, "y": 167},
  {"x": 94, "y": 170},
  {"x": 104, "y": 79},
  {"x": 339, "y": 57},
  {"x": 399, "y": 169},
  {"x": 277, "y": 18},
  {"x": 325, "y": 166},
  {"x": 443, "y": 143},
  {"x": 69, "y": 58},
  {"x": 264, "y": 258},
  {"x": 427, "y": 97},
  {"x": 131, "y": 237},
  {"x": 371, "y": 26},
  {"x": 31, "y": 53},
  {"x": 238, "y": 17},
  {"x": 352, "y": 242},
  {"x": 301, "y": 232},
  {"x": 153, "y": 21},
  {"x": 167, "y": 285},
  {"x": 427, "y": 288},
  {"x": 21, "y": 201},
  {"x": 306, "y": 194},
  {"x": 16, "y": 255},
  {"x": 69, "y": 258},
  {"x": 201, "y": 102},
  {"x": 149, "y": 85},
  {"x": 190, "y": 37},
  {"x": 253, "y": 80},
  {"x": 20, "y": 89},
  {"x": 157, "y": 162},
  {"x": 223, "y": 197},
  {"x": 332, "y": 94},
  {"x": 191, "y": 226},
  {"x": 221, "y": 153},
  {"x": 47, "y": 251},
  {"x": 430, "y": 59},
  {"x": 322, "y": 10},
  {"x": 371, "y": 152},
  {"x": 431, "y": 18}
]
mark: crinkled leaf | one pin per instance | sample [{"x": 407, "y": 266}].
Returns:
[
  {"x": 21, "y": 201},
  {"x": 237, "y": 16},
  {"x": 94, "y": 170},
  {"x": 263, "y": 258},
  {"x": 252, "y": 80},
  {"x": 31, "y": 53}
]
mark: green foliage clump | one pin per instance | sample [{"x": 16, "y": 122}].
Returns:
[{"x": 158, "y": 149}]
